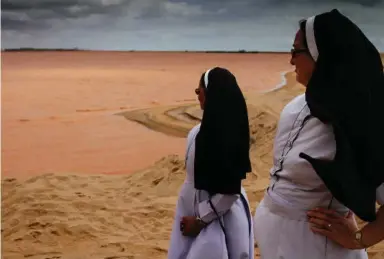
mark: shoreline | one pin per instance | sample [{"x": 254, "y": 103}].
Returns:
[
  {"x": 159, "y": 119},
  {"x": 283, "y": 82}
]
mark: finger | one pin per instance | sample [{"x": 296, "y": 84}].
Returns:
[
  {"x": 326, "y": 217},
  {"x": 328, "y": 212},
  {"x": 320, "y": 223},
  {"x": 185, "y": 231},
  {"x": 350, "y": 214},
  {"x": 318, "y": 215},
  {"x": 321, "y": 231}
]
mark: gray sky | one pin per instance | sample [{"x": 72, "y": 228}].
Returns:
[{"x": 262, "y": 25}]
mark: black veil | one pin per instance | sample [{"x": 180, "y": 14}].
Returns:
[
  {"x": 347, "y": 91},
  {"x": 223, "y": 142}
]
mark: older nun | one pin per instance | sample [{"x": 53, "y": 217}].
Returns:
[
  {"x": 328, "y": 149},
  {"x": 213, "y": 219}
]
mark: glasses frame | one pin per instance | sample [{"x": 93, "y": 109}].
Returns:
[{"x": 295, "y": 52}]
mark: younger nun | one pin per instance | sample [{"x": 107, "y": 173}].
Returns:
[{"x": 213, "y": 219}]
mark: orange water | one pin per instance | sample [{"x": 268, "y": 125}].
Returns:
[{"x": 58, "y": 108}]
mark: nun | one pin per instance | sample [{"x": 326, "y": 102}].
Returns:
[
  {"x": 358, "y": 146},
  {"x": 327, "y": 149},
  {"x": 213, "y": 218}
]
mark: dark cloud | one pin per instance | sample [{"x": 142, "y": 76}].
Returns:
[
  {"x": 20, "y": 25},
  {"x": 364, "y": 2},
  {"x": 173, "y": 24},
  {"x": 12, "y": 5},
  {"x": 39, "y": 13},
  {"x": 281, "y": 2}
]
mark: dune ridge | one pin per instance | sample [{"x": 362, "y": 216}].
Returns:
[{"x": 71, "y": 216}]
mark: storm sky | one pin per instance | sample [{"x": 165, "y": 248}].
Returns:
[{"x": 259, "y": 25}]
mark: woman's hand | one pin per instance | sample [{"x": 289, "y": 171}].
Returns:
[
  {"x": 340, "y": 229},
  {"x": 191, "y": 226}
]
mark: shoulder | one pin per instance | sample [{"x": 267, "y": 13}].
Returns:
[
  {"x": 297, "y": 105},
  {"x": 297, "y": 115}
]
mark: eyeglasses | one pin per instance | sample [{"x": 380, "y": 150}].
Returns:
[{"x": 294, "y": 52}]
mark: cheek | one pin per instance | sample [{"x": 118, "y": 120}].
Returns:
[
  {"x": 299, "y": 62},
  {"x": 312, "y": 66},
  {"x": 305, "y": 65},
  {"x": 308, "y": 68},
  {"x": 200, "y": 97}
]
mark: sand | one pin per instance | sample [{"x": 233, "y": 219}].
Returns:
[{"x": 88, "y": 214}]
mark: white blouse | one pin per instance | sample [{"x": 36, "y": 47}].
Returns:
[
  {"x": 380, "y": 194},
  {"x": 294, "y": 182}
]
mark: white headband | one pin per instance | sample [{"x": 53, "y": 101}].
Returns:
[
  {"x": 206, "y": 78},
  {"x": 310, "y": 36}
]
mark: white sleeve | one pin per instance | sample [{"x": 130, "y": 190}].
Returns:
[
  {"x": 380, "y": 194},
  {"x": 222, "y": 203}
]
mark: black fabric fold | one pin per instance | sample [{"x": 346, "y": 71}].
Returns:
[{"x": 223, "y": 142}]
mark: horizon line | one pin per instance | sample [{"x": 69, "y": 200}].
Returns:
[
  {"x": 149, "y": 50},
  {"x": 241, "y": 51}
]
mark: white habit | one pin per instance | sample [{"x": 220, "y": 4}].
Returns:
[
  {"x": 281, "y": 227},
  {"x": 211, "y": 243}
]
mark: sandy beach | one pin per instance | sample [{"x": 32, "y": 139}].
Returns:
[{"x": 93, "y": 146}]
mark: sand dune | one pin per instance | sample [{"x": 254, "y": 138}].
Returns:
[{"x": 126, "y": 216}]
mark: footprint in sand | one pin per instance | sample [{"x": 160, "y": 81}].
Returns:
[
  {"x": 120, "y": 257},
  {"x": 157, "y": 181},
  {"x": 51, "y": 255},
  {"x": 79, "y": 194},
  {"x": 91, "y": 110},
  {"x": 118, "y": 246},
  {"x": 10, "y": 180},
  {"x": 35, "y": 234}
]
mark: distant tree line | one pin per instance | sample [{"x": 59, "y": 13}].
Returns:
[
  {"x": 193, "y": 51},
  {"x": 40, "y": 49}
]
